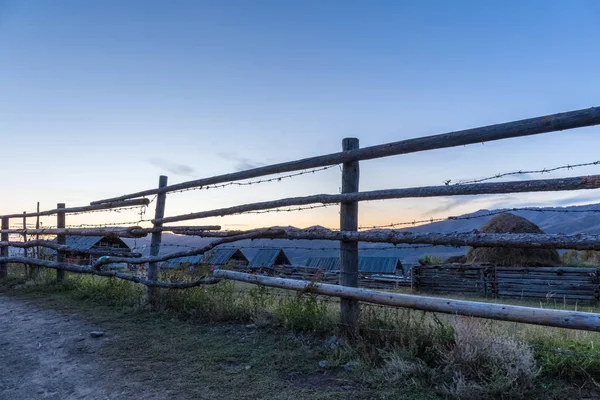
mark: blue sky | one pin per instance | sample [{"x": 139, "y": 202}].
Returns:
[{"x": 100, "y": 97}]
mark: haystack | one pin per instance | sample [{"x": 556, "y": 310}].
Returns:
[{"x": 504, "y": 256}]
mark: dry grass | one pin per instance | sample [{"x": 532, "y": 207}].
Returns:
[{"x": 397, "y": 351}]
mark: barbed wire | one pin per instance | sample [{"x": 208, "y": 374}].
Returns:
[
  {"x": 292, "y": 209},
  {"x": 524, "y": 172},
  {"x": 482, "y": 215},
  {"x": 256, "y": 182},
  {"x": 286, "y": 247}
]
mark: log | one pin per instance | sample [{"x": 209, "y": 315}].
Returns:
[
  {"x": 526, "y": 127},
  {"x": 4, "y": 249},
  {"x": 86, "y": 269},
  {"x": 349, "y": 309},
  {"x": 529, "y": 315},
  {"x": 540, "y": 185},
  {"x": 521, "y": 240},
  {"x": 82, "y": 209},
  {"x": 156, "y": 239},
  {"x": 125, "y": 232},
  {"x": 143, "y": 260},
  {"x": 60, "y": 239},
  {"x": 65, "y": 248}
]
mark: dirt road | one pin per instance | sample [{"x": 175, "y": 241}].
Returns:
[{"x": 48, "y": 355}]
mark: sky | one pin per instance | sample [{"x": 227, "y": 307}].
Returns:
[{"x": 99, "y": 98}]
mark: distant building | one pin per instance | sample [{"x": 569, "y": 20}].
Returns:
[
  {"x": 79, "y": 245},
  {"x": 367, "y": 265},
  {"x": 215, "y": 258},
  {"x": 268, "y": 258}
]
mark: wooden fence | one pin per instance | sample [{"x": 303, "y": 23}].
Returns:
[
  {"x": 348, "y": 235},
  {"x": 564, "y": 283}
]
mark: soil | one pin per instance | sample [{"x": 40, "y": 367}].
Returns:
[{"x": 48, "y": 355}]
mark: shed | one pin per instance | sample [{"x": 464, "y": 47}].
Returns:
[
  {"x": 324, "y": 263},
  {"x": 367, "y": 265},
  {"x": 228, "y": 256},
  {"x": 84, "y": 243},
  {"x": 267, "y": 258},
  {"x": 218, "y": 257}
]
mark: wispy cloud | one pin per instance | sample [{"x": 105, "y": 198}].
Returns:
[
  {"x": 241, "y": 163},
  {"x": 174, "y": 168}
]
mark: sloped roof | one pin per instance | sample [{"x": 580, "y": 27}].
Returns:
[
  {"x": 215, "y": 257},
  {"x": 82, "y": 242},
  {"x": 221, "y": 256},
  {"x": 267, "y": 258},
  {"x": 324, "y": 263},
  {"x": 176, "y": 262},
  {"x": 381, "y": 265}
]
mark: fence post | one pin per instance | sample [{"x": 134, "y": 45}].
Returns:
[
  {"x": 156, "y": 237},
  {"x": 26, "y": 267},
  {"x": 348, "y": 249},
  {"x": 60, "y": 239},
  {"x": 4, "y": 249}
]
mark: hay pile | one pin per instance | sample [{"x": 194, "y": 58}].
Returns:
[{"x": 510, "y": 223}]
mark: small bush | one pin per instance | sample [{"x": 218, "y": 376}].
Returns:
[{"x": 483, "y": 364}]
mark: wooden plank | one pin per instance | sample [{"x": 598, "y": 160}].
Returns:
[
  {"x": 540, "y": 185},
  {"x": 547, "y": 282},
  {"x": 61, "y": 239},
  {"x": 526, "y": 127},
  {"x": 546, "y": 269},
  {"x": 349, "y": 308},
  {"x": 517, "y": 294},
  {"x": 156, "y": 239}
]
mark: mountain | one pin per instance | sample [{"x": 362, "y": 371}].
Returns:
[{"x": 565, "y": 220}]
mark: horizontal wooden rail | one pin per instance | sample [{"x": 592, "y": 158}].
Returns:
[
  {"x": 502, "y": 312},
  {"x": 526, "y": 127},
  {"x": 62, "y": 247},
  {"x": 539, "y": 185},
  {"x": 86, "y": 269},
  {"x": 82, "y": 209},
  {"x": 509, "y": 240},
  {"x": 124, "y": 232}
]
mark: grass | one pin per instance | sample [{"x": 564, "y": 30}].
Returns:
[{"x": 211, "y": 334}]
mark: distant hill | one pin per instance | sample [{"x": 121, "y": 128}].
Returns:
[{"x": 565, "y": 220}]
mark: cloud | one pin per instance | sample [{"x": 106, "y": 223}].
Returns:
[
  {"x": 174, "y": 168},
  {"x": 241, "y": 163}
]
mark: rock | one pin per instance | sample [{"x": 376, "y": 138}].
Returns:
[
  {"x": 331, "y": 341},
  {"x": 323, "y": 363},
  {"x": 351, "y": 366},
  {"x": 96, "y": 334}
]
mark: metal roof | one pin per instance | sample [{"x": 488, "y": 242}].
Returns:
[
  {"x": 324, "y": 263},
  {"x": 268, "y": 257},
  {"x": 221, "y": 256},
  {"x": 381, "y": 265},
  {"x": 215, "y": 257},
  {"x": 176, "y": 262},
  {"x": 82, "y": 242}
]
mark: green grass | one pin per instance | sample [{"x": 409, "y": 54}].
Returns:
[{"x": 398, "y": 353}]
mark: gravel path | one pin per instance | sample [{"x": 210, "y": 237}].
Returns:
[{"x": 48, "y": 355}]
